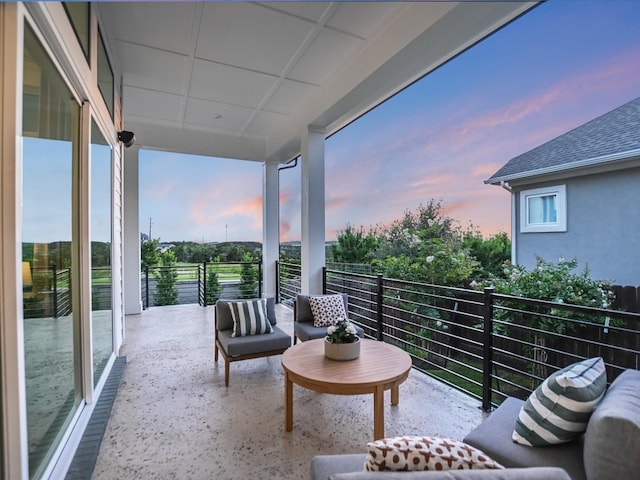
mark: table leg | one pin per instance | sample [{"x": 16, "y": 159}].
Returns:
[
  {"x": 288, "y": 403},
  {"x": 395, "y": 395},
  {"x": 378, "y": 413}
]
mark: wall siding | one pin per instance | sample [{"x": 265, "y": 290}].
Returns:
[{"x": 603, "y": 227}]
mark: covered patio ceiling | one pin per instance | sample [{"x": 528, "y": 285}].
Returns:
[{"x": 244, "y": 80}]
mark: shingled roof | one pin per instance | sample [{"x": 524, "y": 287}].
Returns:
[{"x": 611, "y": 137}]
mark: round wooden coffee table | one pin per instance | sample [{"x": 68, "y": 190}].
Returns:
[{"x": 380, "y": 367}]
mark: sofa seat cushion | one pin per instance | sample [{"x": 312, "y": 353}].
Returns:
[
  {"x": 611, "y": 447},
  {"x": 247, "y": 345},
  {"x": 306, "y": 331},
  {"x": 493, "y": 437}
]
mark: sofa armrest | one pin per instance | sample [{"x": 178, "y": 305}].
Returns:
[
  {"x": 540, "y": 473},
  {"x": 493, "y": 437}
]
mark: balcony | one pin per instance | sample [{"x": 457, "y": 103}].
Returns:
[{"x": 173, "y": 417}]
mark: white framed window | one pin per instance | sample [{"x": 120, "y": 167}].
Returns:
[{"x": 543, "y": 209}]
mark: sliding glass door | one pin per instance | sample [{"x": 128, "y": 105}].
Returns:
[{"x": 51, "y": 126}]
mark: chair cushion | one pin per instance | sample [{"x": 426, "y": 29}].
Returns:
[
  {"x": 493, "y": 437},
  {"x": 412, "y": 453},
  {"x": 252, "y": 344},
  {"x": 327, "y": 309},
  {"x": 224, "y": 320},
  {"x": 306, "y": 331},
  {"x": 559, "y": 409},
  {"x": 249, "y": 317},
  {"x": 611, "y": 440}
]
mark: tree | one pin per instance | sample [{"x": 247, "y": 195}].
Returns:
[
  {"x": 213, "y": 287},
  {"x": 491, "y": 253},
  {"x": 354, "y": 246},
  {"x": 166, "y": 278},
  {"x": 249, "y": 276},
  {"x": 554, "y": 283},
  {"x": 149, "y": 253}
]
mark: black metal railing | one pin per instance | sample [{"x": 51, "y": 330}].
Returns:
[
  {"x": 288, "y": 281},
  {"x": 200, "y": 283},
  {"x": 488, "y": 345}
]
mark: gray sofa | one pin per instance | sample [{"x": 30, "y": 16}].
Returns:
[
  {"x": 349, "y": 467},
  {"x": 609, "y": 449}
]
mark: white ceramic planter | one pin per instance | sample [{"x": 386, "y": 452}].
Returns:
[{"x": 342, "y": 351}]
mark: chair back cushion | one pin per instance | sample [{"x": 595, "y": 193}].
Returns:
[
  {"x": 249, "y": 317},
  {"x": 224, "y": 319},
  {"x": 303, "y": 307}
]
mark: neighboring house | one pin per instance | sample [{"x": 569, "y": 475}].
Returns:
[{"x": 578, "y": 196}]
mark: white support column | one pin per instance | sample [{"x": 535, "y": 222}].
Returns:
[
  {"x": 131, "y": 233},
  {"x": 313, "y": 220},
  {"x": 270, "y": 227}
]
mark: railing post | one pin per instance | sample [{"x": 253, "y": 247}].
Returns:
[
  {"x": 146, "y": 281},
  {"x": 55, "y": 290},
  {"x": 487, "y": 357},
  {"x": 205, "y": 299},
  {"x": 259, "y": 279},
  {"x": 277, "y": 281},
  {"x": 379, "y": 304},
  {"x": 324, "y": 280}
]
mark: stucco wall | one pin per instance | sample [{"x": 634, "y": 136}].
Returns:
[{"x": 603, "y": 227}]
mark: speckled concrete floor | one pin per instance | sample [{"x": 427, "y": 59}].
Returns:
[{"x": 173, "y": 418}]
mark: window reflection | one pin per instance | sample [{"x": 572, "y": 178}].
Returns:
[
  {"x": 101, "y": 310},
  {"x": 51, "y": 329}
]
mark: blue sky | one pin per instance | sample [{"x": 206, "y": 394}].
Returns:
[{"x": 557, "y": 67}]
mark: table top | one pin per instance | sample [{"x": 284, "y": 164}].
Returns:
[{"x": 379, "y": 364}]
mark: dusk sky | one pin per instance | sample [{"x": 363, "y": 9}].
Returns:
[{"x": 559, "y": 66}]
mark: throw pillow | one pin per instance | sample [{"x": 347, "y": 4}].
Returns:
[
  {"x": 559, "y": 409},
  {"x": 413, "y": 453},
  {"x": 249, "y": 318},
  {"x": 327, "y": 310}
]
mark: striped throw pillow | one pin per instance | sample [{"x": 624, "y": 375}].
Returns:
[
  {"x": 559, "y": 409},
  {"x": 249, "y": 318}
]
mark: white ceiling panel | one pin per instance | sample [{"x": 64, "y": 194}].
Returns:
[
  {"x": 265, "y": 124},
  {"x": 250, "y": 36},
  {"x": 216, "y": 116},
  {"x": 312, "y": 11},
  {"x": 153, "y": 69},
  {"x": 214, "y": 81},
  {"x": 163, "y": 25},
  {"x": 289, "y": 96},
  {"x": 151, "y": 104},
  {"x": 331, "y": 48},
  {"x": 351, "y": 17}
]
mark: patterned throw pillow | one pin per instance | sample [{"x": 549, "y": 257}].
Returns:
[
  {"x": 559, "y": 409},
  {"x": 327, "y": 310},
  {"x": 249, "y": 318},
  {"x": 415, "y": 453}
]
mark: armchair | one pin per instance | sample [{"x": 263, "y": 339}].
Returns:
[
  {"x": 234, "y": 349},
  {"x": 303, "y": 327}
]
